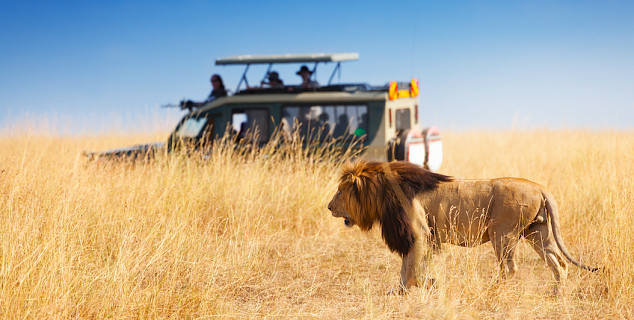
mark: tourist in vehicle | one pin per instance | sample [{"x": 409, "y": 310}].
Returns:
[
  {"x": 361, "y": 128},
  {"x": 218, "y": 90},
  {"x": 274, "y": 81},
  {"x": 302, "y": 122},
  {"x": 324, "y": 127},
  {"x": 305, "y": 73},
  {"x": 341, "y": 128}
]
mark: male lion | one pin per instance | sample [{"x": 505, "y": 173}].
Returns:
[{"x": 415, "y": 207}]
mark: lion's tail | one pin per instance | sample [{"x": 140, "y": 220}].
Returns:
[{"x": 553, "y": 213}]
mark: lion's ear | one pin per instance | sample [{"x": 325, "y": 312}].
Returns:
[
  {"x": 355, "y": 182},
  {"x": 353, "y": 179}
]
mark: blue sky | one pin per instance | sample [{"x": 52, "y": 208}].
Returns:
[{"x": 481, "y": 64}]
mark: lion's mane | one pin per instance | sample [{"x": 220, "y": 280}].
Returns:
[{"x": 383, "y": 192}]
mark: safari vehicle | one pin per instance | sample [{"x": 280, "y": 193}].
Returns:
[{"x": 383, "y": 120}]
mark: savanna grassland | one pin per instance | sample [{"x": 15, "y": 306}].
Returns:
[{"x": 249, "y": 236}]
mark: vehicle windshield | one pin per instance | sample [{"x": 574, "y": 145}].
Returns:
[{"x": 191, "y": 127}]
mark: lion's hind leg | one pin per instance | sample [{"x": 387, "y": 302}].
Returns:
[
  {"x": 505, "y": 246},
  {"x": 540, "y": 237}
]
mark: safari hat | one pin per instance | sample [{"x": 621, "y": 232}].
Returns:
[
  {"x": 274, "y": 76},
  {"x": 302, "y": 69}
]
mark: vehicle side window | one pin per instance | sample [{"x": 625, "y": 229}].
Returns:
[
  {"x": 403, "y": 119},
  {"x": 327, "y": 122},
  {"x": 251, "y": 121}
]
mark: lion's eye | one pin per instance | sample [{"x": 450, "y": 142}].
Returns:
[{"x": 338, "y": 192}]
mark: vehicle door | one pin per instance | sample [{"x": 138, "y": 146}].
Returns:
[
  {"x": 403, "y": 119},
  {"x": 251, "y": 122}
]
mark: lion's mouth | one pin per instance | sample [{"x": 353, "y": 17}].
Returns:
[{"x": 349, "y": 223}]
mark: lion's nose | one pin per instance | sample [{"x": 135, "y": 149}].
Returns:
[{"x": 329, "y": 208}]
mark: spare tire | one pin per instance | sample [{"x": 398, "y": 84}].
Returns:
[
  {"x": 422, "y": 148},
  {"x": 409, "y": 145},
  {"x": 433, "y": 148}
]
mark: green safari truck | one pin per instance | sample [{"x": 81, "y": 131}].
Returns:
[{"x": 382, "y": 119}]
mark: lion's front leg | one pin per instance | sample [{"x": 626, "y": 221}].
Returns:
[
  {"x": 408, "y": 270},
  {"x": 408, "y": 273},
  {"x": 415, "y": 262},
  {"x": 415, "y": 265}
]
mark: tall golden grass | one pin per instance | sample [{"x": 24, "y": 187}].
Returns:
[{"x": 238, "y": 236}]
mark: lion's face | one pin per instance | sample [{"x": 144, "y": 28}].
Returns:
[{"x": 338, "y": 210}]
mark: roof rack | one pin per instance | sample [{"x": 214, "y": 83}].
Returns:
[
  {"x": 287, "y": 58},
  {"x": 342, "y": 87}
]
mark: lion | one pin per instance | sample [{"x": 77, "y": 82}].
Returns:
[{"x": 419, "y": 209}]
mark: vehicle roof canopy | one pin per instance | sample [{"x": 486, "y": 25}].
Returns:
[{"x": 287, "y": 58}]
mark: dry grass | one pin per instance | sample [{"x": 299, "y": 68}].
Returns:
[{"x": 250, "y": 237}]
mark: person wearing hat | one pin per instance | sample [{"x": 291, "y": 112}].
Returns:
[
  {"x": 218, "y": 91},
  {"x": 305, "y": 73},
  {"x": 274, "y": 80}
]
